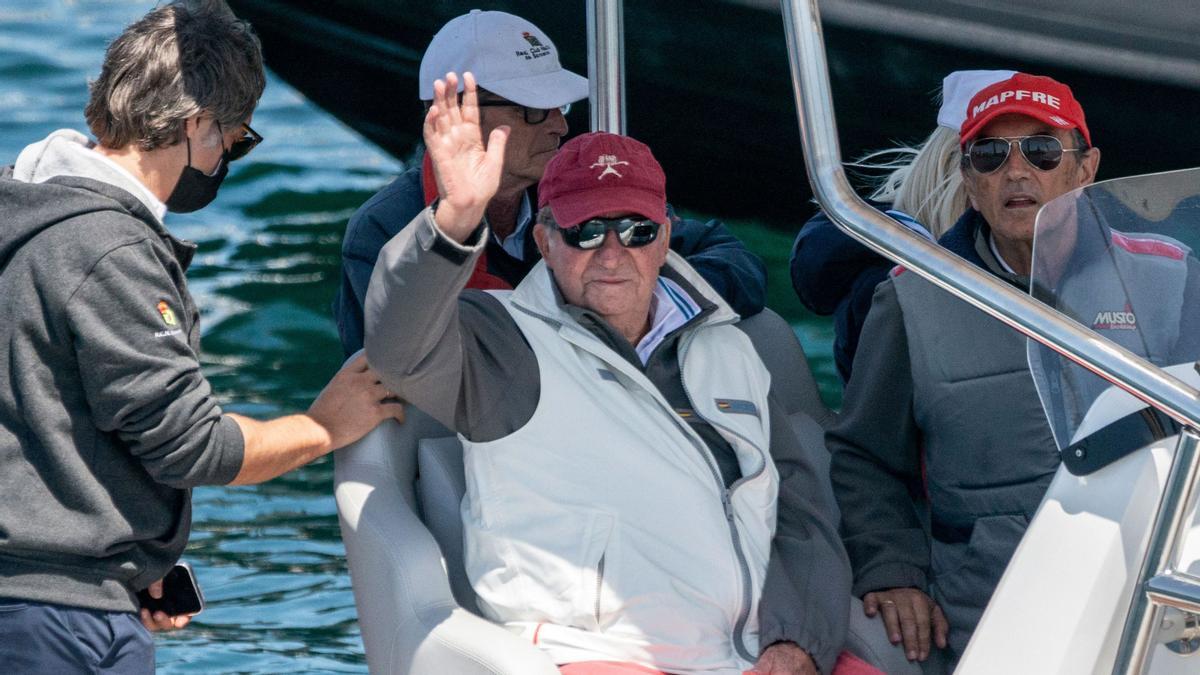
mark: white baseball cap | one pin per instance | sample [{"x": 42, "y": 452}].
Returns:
[
  {"x": 509, "y": 57},
  {"x": 958, "y": 88}
]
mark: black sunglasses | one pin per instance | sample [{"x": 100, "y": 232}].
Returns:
[
  {"x": 631, "y": 232},
  {"x": 242, "y": 146},
  {"x": 1043, "y": 152},
  {"x": 532, "y": 115}
]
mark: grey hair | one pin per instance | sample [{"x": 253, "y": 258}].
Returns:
[
  {"x": 545, "y": 218},
  {"x": 923, "y": 181},
  {"x": 179, "y": 60},
  {"x": 1080, "y": 141}
]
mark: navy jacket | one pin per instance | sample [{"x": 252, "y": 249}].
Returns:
[
  {"x": 834, "y": 274},
  {"x": 737, "y": 274}
]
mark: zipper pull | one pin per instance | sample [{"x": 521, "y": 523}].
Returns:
[{"x": 728, "y": 504}]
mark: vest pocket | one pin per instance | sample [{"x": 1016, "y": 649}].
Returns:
[
  {"x": 966, "y": 573},
  {"x": 554, "y": 565},
  {"x": 595, "y": 600}
]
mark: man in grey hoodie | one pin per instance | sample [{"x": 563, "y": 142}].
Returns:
[{"x": 106, "y": 421}]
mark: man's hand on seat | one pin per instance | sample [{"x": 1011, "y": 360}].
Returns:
[
  {"x": 467, "y": 172},
  {"x": 910, "y": 616},
  {"x": 353, "y": 403},
  {"x": 785, "y": 658}
]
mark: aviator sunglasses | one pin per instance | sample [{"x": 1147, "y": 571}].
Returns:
[
  {"x": 1043, "y": 152},
  {"x": 242, "y": 146},
  {"x": 631, "y": 232}
]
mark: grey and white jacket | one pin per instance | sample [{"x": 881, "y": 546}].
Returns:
[{"x": 597, "y": 514}]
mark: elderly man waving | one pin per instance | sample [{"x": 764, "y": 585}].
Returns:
[{"x": 622, "y": 450}]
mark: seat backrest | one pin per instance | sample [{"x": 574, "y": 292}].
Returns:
[
  {"x": 440, "y": 491},
  {"x": 408, "y": 614},
  {"x": 784, "y": 358}
]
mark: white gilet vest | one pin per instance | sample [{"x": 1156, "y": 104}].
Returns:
[{"x": 601, "y": 530}]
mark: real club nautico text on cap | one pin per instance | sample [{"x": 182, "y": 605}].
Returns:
[
  {"x": 509, "y": 57},
  {"x": 598, "y": 173}
]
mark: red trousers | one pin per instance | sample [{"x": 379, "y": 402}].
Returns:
[{"x": 847, "y": 664}]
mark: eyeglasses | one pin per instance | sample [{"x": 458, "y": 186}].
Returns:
[
  {"x": 532, "y": 115},
  {"x": 242, "y": 146},
  {"x": 1043, "y": 152},
  {"x": 631, "y": 232}
]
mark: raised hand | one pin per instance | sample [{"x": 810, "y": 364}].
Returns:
[{"x": 467, "y": 172}]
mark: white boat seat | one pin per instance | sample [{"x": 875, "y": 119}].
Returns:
[
  {"x": 441, "y": 488},
  {"x": 398, "y": 493}
]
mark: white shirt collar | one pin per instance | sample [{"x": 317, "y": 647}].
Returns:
[
  {"x": 514, "y": 243},
  {"x": 999, "y": 258},
  {"x": 670, "y": 307}
]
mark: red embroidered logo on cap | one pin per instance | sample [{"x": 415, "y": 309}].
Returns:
[
  {"x": 608, "y": 162},
  {"x": 536, "y": 51}
]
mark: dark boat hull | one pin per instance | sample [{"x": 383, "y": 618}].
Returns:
[{"x": 708, "y": 89}]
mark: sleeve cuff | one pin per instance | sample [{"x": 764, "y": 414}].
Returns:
[
  {"x": 433, "y": 239},
  {"x": 227, "y": 436},
  {"x": 823, "y": 656},
  {"x": 890, "y": 575}
]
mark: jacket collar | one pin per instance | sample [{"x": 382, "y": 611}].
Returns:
[{"x": 969, "y": 239}]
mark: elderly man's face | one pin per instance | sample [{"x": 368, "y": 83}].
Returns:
[
  {"x": 613, "y": 281},
  {"x": 1009, "y": 197},
  {"x": 530, "y": 146}
]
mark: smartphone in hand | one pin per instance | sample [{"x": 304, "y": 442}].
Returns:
[{"x": 181, "y": 593}]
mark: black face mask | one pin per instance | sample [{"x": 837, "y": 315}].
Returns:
[{"x": 195, "y": 189}]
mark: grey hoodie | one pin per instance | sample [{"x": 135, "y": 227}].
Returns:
[{"x": 105, "y": 418}]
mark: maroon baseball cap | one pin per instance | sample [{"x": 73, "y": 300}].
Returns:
[
  {"x": 1041, "y": 98},
  {"x": 600, "y": 173}
]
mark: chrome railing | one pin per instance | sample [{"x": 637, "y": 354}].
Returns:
[
  {"x": 822, "y": 158},
  {"x": 1159, "y": 584},
  {"x": 606, "y": 64}
]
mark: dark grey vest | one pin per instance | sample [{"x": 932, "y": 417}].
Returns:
[{"x": 988, "y": 451}]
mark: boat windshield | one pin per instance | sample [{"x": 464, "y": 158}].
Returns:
[{"x": 1119, "y": 257}]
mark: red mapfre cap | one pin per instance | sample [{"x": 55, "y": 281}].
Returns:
[
  {"x": 600, "y": 173},
  {"x": 1035, "y": 96}
]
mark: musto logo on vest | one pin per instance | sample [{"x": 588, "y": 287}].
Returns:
[{"x": 1110, "y": 320}]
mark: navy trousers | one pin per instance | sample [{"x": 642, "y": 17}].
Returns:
[{"x": 37, "y": 638}]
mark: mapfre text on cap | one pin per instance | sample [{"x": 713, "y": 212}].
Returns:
[{"x": 1018, "y": 95}]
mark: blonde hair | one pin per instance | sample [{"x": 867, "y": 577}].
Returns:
[{"x": 923, "y": 181}]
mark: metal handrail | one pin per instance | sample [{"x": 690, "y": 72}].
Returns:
[
  {"x": 823, "y": 160},
  {"x": 1155, "y": 590},
  {"x": 606, "y": 64}
]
